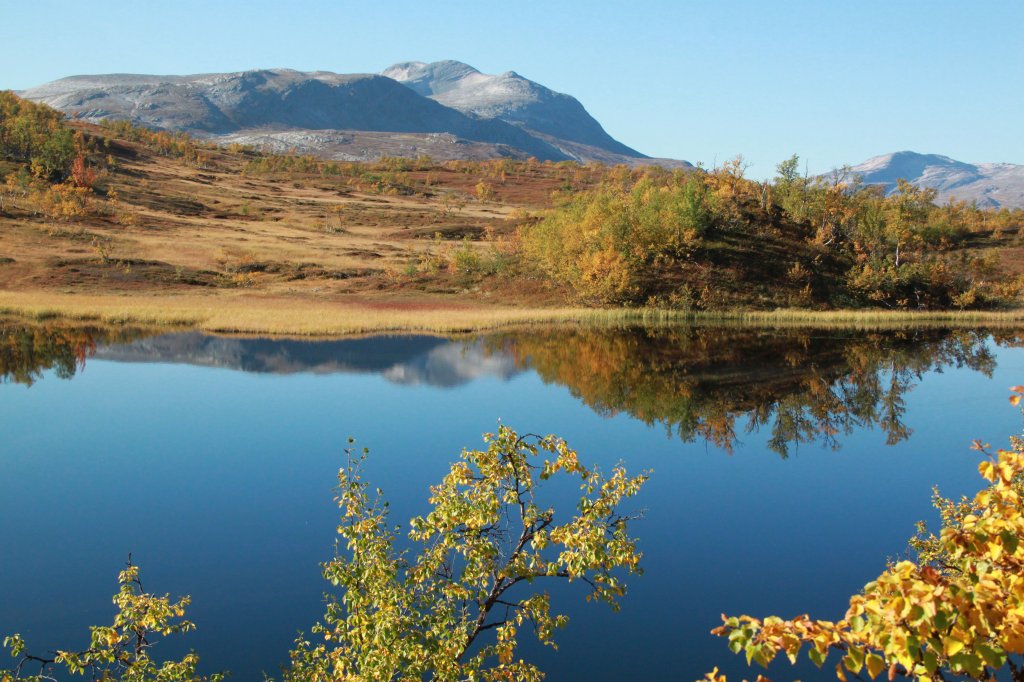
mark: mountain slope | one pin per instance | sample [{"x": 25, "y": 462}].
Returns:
[
  {"x": 992, "y": 185},
  {"x": 275, "y": 99},
  {"x": 508, "y": 97},
  {"x": 446, "y": 110}
]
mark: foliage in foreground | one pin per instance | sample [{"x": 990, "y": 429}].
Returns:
[
  {"x": 451, "y": 610},
  {"x": 488, "y": 539},
  {"x": 119, "y": 651},
  {"x": 959, "y": 610}
]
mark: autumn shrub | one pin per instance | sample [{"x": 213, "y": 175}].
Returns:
[
  {"x": 453, "y": 607},
  {"x": 483, "y": 191},
  {"x": 472, "y": 263},
  {"x": 63, "y": 201},
  {"x": 36, "y": 135},
  {"x": 15, "y": 189},
  {"x": 603, "y": 243},
  {"x": 465, "y": 259},
  {"x": 931, "y": 282},
  {"x": 958, "y": 610},
  {"x": 82, "y": 174}
]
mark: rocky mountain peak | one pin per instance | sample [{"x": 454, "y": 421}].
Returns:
[{"x": 508, "y": 97}]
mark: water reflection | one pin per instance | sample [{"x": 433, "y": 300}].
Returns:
[
  {"x": 221, "y": 465},
  {"x": 401, "y": 359},
  {"x": 715, "y": 383},
  {"x": 709, "y": 383},
  {"x": 26, "y": 351}
]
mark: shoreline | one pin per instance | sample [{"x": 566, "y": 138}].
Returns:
[{"x": 286, "y": 316}]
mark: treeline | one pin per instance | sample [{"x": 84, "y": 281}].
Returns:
[
  {"x": 386, "y": 176},
  {"x": 651, "y": 237},
  {"x": 38, "y": 135},
  {"x": 171, "y": 144},
  {"x": 423, "y": 176},
  {"x": 51, "y": 171},
  {"x": 35, "y": 134},
  {"x": 265, "y": 162},
  {"x": 57, "y": 171}
]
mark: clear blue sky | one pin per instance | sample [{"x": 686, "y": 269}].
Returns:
[{"x": 836, "y": 82}]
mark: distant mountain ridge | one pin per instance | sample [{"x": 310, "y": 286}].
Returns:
[
  {"x": 445, "y": 109},
  {"x": 274, "y": 99},
  {"x": 991, "y": 185}
]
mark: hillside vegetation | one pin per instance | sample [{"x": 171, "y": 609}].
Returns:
[
  {"x": 715, "y": 239},
  {"x": 98, "y": 212}
]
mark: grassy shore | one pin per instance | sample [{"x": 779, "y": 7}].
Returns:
[
  {"x": 276, "y": 315},
  {"x": 273, "y": 315},
  {"x": 231, "y": 246}
]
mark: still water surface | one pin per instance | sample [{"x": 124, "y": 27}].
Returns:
[{"x": 787, "y": 467}]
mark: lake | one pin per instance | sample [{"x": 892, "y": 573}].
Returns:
[{"x": 787, "y": 466}]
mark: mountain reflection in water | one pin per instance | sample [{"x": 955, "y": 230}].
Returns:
[
  {"x": 712, "y": 383},
  {"x": 402, "y": 359}
]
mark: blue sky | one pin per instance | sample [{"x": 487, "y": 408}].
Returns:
[{"x": 835, "y": 82}]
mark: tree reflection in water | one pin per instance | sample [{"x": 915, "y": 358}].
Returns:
[
  {"x": 700, "y": 382},
  {"x": 714, "y": 383},
  {"x": 27, "y": 350}
]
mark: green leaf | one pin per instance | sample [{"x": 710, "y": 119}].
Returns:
[
  {"x": 930, "y": 660},
  {"x": 967, "y": 662},
  {"x": 1010, "y": 541},
  {"x": 994, "y": 658},
  {"x": 854, "y": 660}
]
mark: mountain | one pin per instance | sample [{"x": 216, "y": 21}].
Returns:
[
  {"x": 992, "y": 185},
  {"x": 508, "y": 97},
  {"x": 445, "y": 110},
  {"x": 274, "y": 100}
]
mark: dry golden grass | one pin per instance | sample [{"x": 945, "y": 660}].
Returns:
[
  {"x": 864, "y": 320},
  {"x": 250, "y": 313},
  {"x": 174, "y": 227},
  {"x": 221, "y": 249}
]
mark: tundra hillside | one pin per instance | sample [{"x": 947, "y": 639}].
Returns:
[{"x": 123, "y": 222}]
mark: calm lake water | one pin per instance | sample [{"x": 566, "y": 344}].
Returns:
[{"x": 787, "y": 467}]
